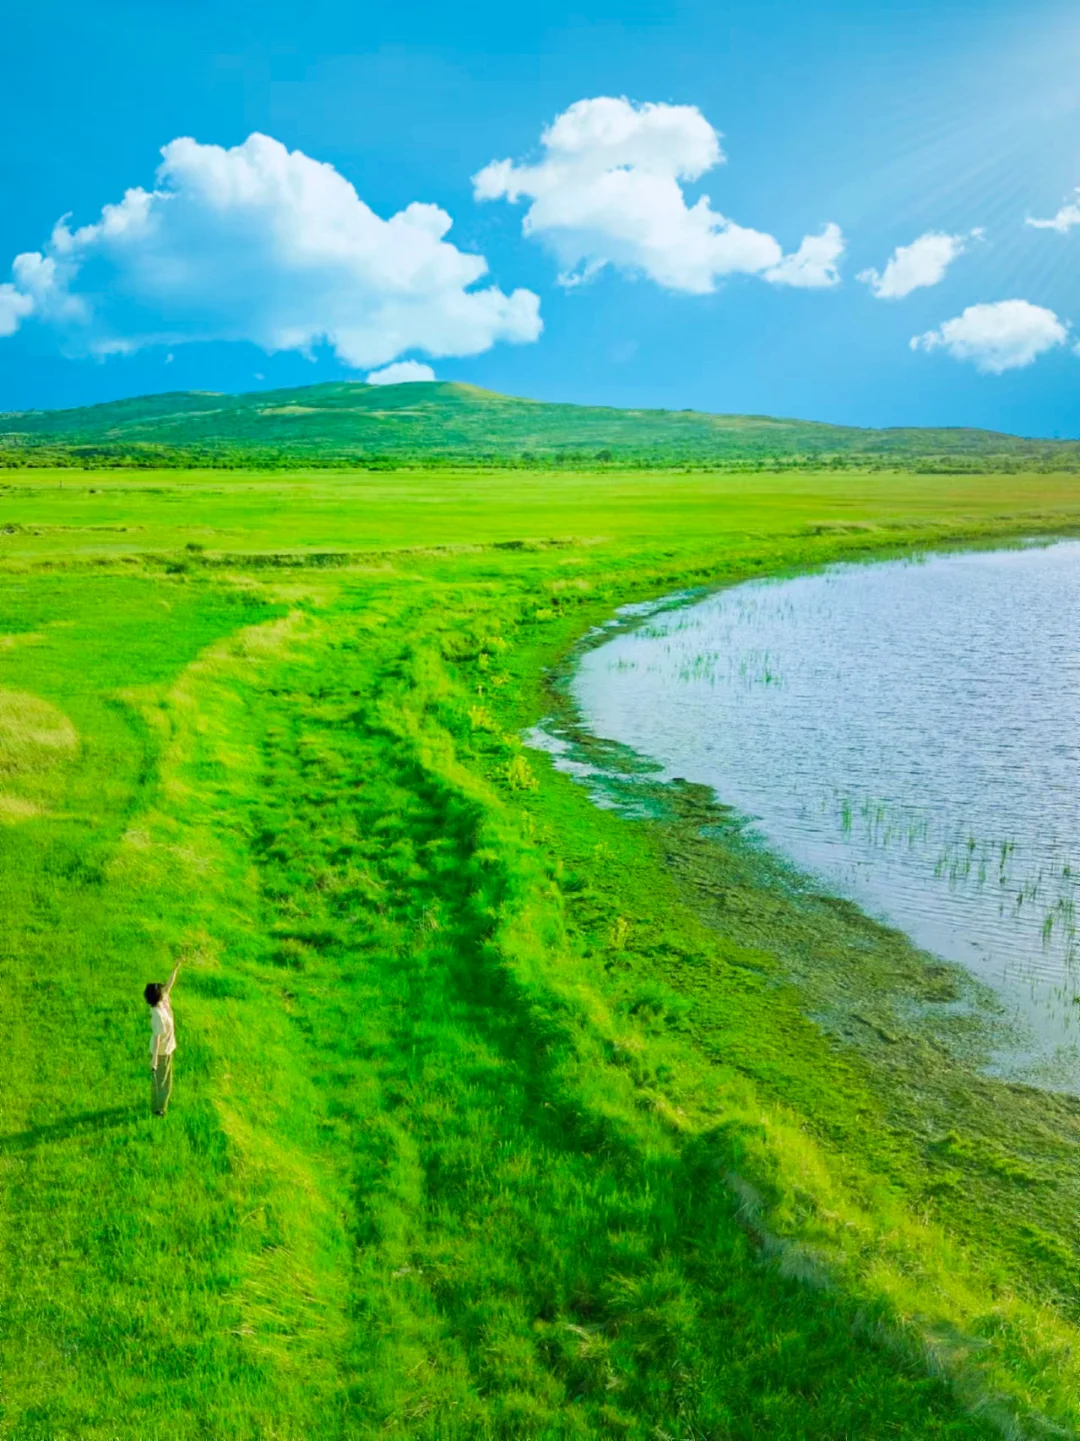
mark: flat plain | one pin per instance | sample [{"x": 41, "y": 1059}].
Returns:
[{"x": 498, "y": 1113}]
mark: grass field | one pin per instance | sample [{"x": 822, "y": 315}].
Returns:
[{"x": 497, "y": 1114}]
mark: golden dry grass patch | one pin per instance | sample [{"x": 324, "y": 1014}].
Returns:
[
  {"x": 36, "y": 739},
  {"x": 14, "y": 809},
  {"x": 35, "y": 735}
]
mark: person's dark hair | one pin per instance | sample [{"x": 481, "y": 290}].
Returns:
[{"x": 154, "y": 992}]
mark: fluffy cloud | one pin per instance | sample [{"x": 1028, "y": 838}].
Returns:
[
  {"x": 400, "y": 373},
  {"x": 608, "y": 190},
  {"x": 263, "y": 244},
  {"x": 1003, "y": 336},
  {"x": 15, "y": 306},
  {"x": 923, "y": 262},
  {"x": 1065, "y": 219},
  {"x": 814, "y": 265}
]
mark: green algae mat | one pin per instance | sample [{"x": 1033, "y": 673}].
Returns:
[{"x": 497, "y": 1113}]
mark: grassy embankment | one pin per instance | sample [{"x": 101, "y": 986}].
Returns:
[{"x": 498, "y": 1114}]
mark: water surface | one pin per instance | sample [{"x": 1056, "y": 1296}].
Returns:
[{"x": 908, "y": 733}]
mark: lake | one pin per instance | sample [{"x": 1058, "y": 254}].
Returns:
[{"x": 906, "y": 732}]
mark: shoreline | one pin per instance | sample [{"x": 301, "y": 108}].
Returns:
[
  {"x": 955, "y": 1141},
  {"x": 614, "y": 773}
]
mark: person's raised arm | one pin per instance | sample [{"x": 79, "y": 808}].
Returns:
[{"x": 172, "y": 978}]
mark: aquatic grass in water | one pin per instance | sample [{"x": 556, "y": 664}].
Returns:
[{"x": 906, "y": 732}]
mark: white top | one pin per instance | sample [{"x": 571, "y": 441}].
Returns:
[{"x": 162, "y": 1032}]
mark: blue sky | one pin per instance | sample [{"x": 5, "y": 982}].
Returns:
[{"x": 888, "y": 123}]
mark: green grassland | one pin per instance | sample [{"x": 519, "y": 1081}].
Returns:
[
  {"x": 498, "y": 1114},
  {"x": 346, "y": 424}
]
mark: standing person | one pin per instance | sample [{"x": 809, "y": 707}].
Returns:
[{"x": 162, "y": 1042}]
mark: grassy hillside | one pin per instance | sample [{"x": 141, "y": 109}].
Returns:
[
  {"x": 348, "y": 424},
  {"x": 498, "y": 1114}
]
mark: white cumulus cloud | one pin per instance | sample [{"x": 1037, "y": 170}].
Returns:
[
  {"x": 1005, "y": 335},
  {"x": 814, "y": 265},
  {"x": 263, "y": 244},
  {"x": 1064, "y": 220},
  {"x": 15, "y": 306},
  {"x": 923, "y": 262},
  {"x": 608, "y": 190},
  {"x": 400, "y": 373}
]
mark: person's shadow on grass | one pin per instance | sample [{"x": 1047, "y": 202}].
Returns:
[{"x": 87, "y": 1123}]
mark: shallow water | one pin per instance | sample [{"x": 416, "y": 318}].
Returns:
[{"x": 907, "y": 732}]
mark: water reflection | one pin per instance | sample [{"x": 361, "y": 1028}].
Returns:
[{"x": 907, "y": 732}]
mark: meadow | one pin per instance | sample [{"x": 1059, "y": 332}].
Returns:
[{"x": 498, "y": 1114}]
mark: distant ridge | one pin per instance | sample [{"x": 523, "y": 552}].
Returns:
[{"x": 442, "y": 423}]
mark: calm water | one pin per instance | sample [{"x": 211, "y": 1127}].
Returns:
[{"x": 909, "y": 733}]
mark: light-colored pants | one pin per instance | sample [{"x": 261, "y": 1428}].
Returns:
[{"x": 161, "y": 1085}]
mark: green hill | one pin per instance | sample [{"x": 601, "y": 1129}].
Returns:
[{"x": 445, "y": 423}]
